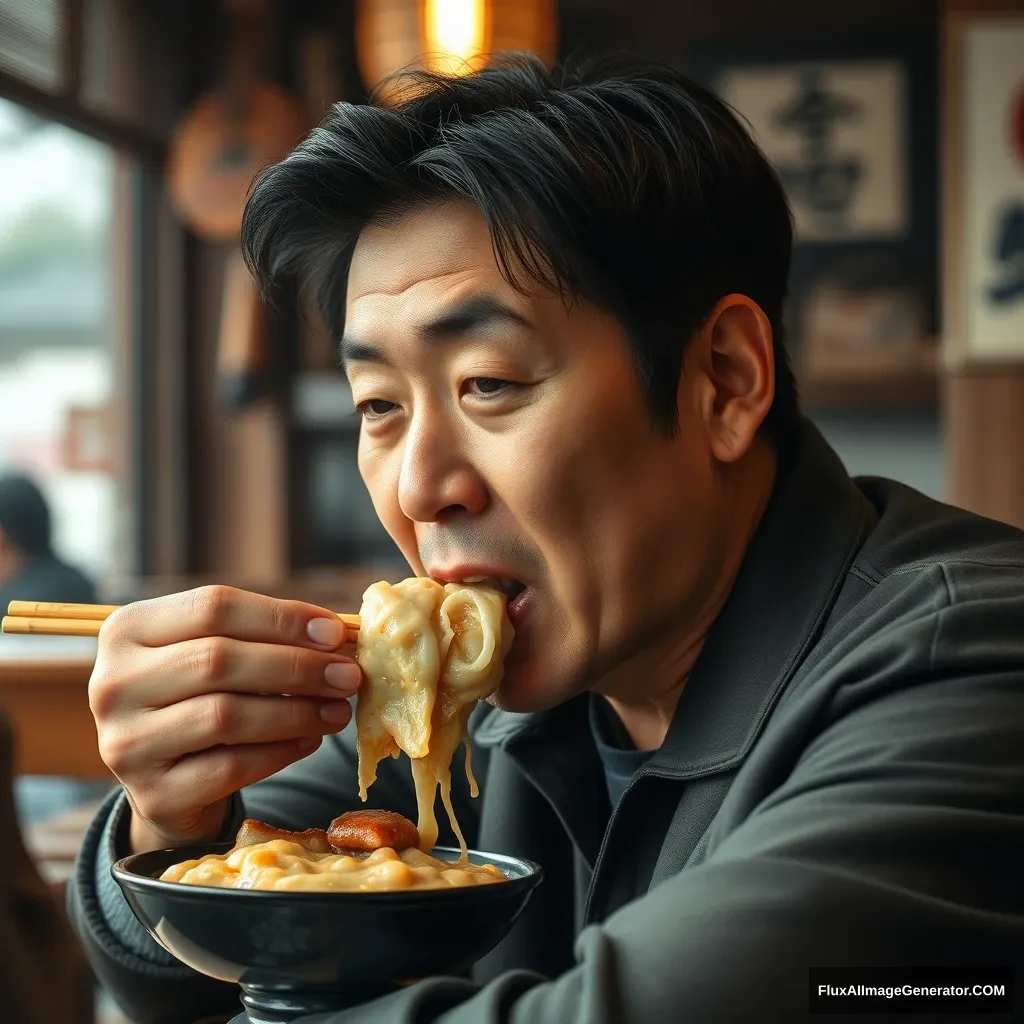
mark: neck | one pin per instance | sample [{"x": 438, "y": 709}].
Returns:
[{"x": 664, "y": 666}]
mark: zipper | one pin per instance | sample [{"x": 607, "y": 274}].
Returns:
[{"x": 644, "y": 773}]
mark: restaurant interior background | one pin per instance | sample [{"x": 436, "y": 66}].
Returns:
[{"x": 183, "y": 434}]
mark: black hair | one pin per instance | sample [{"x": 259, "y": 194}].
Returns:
[
  {"x": 24, "y": 515},
  {"x": 622, "y": 183}
]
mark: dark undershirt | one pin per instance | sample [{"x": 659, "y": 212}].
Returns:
[{"x": 619, "y": 758}]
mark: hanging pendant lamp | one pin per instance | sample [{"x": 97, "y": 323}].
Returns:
[{"x": 450, "y": 36}]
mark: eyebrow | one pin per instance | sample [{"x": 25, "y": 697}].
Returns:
[{"x": 477, "y": 315}]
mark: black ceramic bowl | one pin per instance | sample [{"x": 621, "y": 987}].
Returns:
[{"x": 296, "y": 953}]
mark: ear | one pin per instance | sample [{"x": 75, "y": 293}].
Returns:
[{"x": 735, "y": 357}]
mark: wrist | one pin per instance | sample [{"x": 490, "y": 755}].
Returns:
[{"x": 145, "y": 835}]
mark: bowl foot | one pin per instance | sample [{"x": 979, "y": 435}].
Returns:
[{"x": 276, "y": 1006}]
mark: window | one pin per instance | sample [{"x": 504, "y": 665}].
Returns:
[{"x": 57, "y": 365}]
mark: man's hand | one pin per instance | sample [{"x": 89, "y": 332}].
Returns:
[{"x": 200, "y": 694}]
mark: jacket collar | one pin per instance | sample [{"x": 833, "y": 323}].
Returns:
[
  {"x": 813, "y": 528},
  {"x": 814, "y": 524}
]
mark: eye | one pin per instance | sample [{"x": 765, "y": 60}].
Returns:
[
  {"x": 375, "y": 408},
  {"x": 488, "y": 385}
]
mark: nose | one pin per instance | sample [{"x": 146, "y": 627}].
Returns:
[{"x": 437, "y": 480}]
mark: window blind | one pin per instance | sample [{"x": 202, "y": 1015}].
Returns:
[{"x": 30, "y": 41}]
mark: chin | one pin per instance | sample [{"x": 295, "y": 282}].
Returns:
[
  {"x": 526, "y": 687},
  {"x": 516, "y": 702}
]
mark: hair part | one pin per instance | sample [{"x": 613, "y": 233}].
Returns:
[{"x": 621, "y": 183}]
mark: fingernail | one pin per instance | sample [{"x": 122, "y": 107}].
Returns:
[
  {"x": 342, "y": 675},
  {"x": 337, "y": 711},
  {"x": 325, "y": 631},
  {"x": 308, "y": 743}
]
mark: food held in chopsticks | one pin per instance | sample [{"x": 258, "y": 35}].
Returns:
[
  {"x": 362, "y": 851},
  {"x": 428, "y": 652}
]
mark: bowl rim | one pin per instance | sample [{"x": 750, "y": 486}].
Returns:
[{"x": 530, "y": 874}]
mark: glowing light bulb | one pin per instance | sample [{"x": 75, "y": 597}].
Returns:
[{"x": 454, "y": 32}]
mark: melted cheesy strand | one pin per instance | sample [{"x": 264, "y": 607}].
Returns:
[
  {"x": 471, "y": 635},
  {"x": 401, "y": 659},
  {"x": 474, "y": 643}
]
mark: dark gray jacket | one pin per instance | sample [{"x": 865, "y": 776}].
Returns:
[
  {"x": 47, "y": 578},
  {"x": 842, "y": 784}
]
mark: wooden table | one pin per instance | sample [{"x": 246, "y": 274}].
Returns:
[
  {"x": 44, "y": 692},
  {"x": 44, "y": 679}
]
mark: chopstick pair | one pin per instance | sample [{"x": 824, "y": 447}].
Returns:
[{"x": 48, "y": 619}]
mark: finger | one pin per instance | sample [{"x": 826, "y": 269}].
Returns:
[
  {"x": 219, "y": 664},
  {"x": 225, "y": 611},
  {"x": 222, "y": 719},
  {"x": 202, "y": 779}
]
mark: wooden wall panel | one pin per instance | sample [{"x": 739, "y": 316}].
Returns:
[
  {"x": 985, "y": 441},
  {"x": 239, "y": 458}
]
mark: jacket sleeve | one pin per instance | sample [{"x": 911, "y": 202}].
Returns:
[
  {"x": 895, "y": 840},
  {"x": 151, "y": 986}
]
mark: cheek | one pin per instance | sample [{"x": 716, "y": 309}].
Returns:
[
  {"x": 571, "y": 482},
  {"x": 614, "y": 507}
]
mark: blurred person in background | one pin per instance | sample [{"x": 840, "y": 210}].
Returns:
[{"x": 29, "y": 570}]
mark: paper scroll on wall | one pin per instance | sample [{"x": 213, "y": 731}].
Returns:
[
  {"x": 836, "y": 133},
  {"x": 992, "y": 278}
]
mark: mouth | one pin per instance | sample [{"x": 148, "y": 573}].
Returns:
[{"x": 508, "y": 585}]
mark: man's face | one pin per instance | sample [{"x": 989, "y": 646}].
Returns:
[{"x": 507, "y": 435}]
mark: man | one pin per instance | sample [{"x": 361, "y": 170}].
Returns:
[
  {"x": 757, "y": 717},
  {"x": 29, "y": 570}
]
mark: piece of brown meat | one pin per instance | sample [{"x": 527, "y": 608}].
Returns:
[
  {"x": 313, "y": 840},
  {"x": 366, "y": 831}
]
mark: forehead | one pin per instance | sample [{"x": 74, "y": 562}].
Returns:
[{"x": 443, "y": 247}]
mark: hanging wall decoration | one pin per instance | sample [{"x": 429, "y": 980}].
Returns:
[
  {"x": 850, "y": 126},
  {"x": 985, "y": 193},
  {"x": 836, "y": 134}
]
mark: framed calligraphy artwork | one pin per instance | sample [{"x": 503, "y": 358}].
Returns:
[
  {"x": 850, "y": 126},
  {"x": 984, "y": 200},
  {"x": 835, "y": 132}
]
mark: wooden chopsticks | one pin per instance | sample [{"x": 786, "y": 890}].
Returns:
[{"x": 49, "y": 619}]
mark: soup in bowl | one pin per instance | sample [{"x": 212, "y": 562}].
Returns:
[{"x": 303, "y": 951}]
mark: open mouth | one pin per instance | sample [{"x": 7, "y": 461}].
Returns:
[{"x": 509, "y": 587}]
